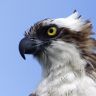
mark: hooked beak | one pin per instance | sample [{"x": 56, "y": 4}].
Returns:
[{"x": 27, "y": 46}]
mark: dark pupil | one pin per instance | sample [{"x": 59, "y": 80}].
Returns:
[{"x": 51, "y": 30}]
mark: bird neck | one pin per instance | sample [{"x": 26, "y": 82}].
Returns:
[
  {"x": 64, "y": 60},
  {"x": 63, "y": 68}
]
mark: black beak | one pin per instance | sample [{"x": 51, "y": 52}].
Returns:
[{"x": 27, "y": 46}]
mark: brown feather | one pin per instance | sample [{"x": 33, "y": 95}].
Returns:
[{"x": 85, "y": 44}]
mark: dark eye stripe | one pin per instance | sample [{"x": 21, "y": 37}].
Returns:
[{"x": 42, "y": 32}]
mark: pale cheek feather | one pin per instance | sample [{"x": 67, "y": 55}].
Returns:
[
  {"x": 67, "y": 75},
  {"x": 66, "y": 56}
]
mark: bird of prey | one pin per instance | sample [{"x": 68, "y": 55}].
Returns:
[{"x": 66, "y": 52}]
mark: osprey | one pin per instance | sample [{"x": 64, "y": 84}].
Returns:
[{"x": 66, "y": 51}]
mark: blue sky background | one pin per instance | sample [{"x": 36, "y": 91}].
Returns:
[{"x": 19, "y": 77}]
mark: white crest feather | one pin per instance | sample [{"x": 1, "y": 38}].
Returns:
[{"x": 73, "y": 22}]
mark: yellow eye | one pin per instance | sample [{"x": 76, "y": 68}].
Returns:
[{"x": 52, "y": 31}]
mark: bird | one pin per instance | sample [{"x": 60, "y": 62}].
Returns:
[{"x": 66, "y": 51}]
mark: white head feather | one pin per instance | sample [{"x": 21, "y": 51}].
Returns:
[{"x": 73, "y": 22}]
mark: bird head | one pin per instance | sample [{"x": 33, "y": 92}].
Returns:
[{"x": 50, "y": 38}]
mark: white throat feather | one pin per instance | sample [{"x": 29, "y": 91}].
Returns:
[{"x": 61, "y": 55}]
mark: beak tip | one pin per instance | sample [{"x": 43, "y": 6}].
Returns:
[
  {"x": 24, "y": 57},
  {"x": 21, "y": 51},
  {"x": 22, "y": 54}
]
